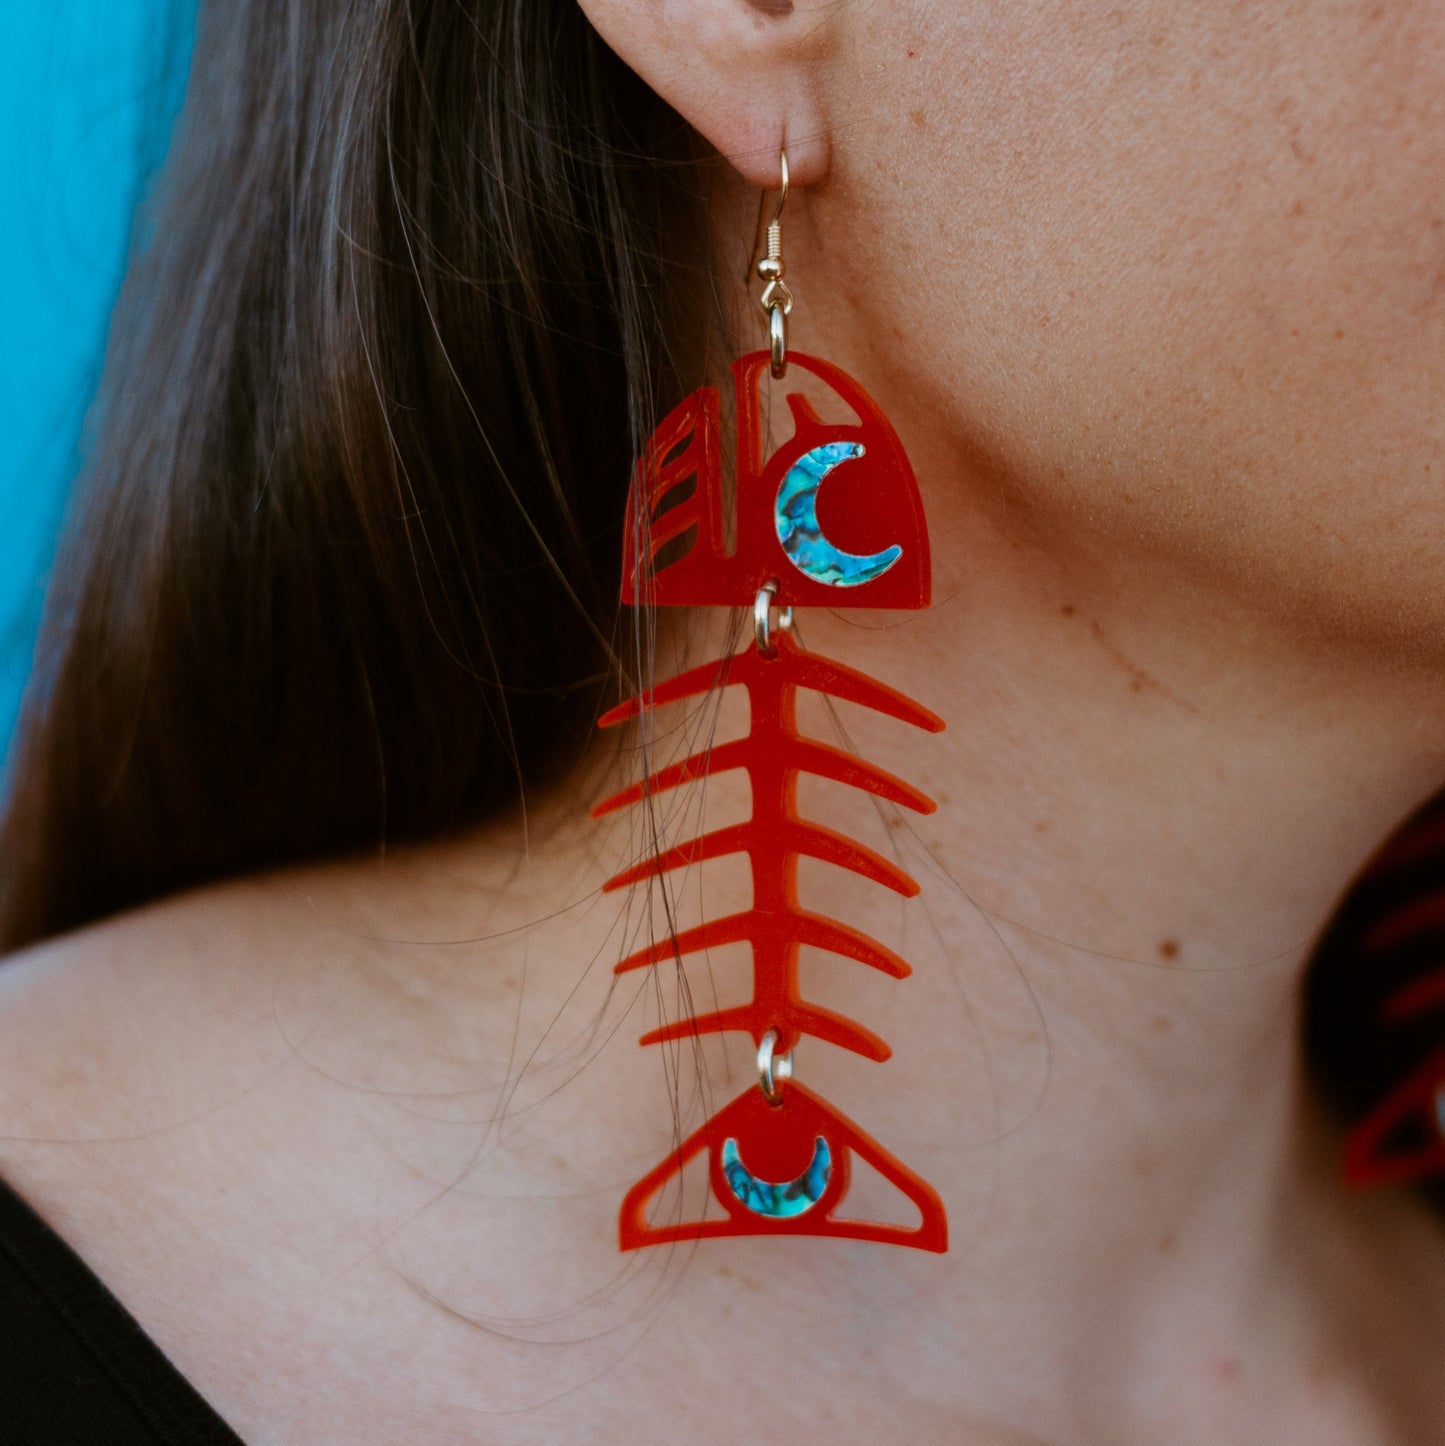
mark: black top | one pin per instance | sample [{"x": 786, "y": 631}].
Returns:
[{"x": 75, "y": 1368}]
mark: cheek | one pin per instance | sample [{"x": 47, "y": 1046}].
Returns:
[{"x": 1175, "y": 268}]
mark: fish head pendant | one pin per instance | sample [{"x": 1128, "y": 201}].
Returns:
[{"x": 859, "y": 541}]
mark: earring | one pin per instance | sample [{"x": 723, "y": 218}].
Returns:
[{"x": 778, "y": 1155}]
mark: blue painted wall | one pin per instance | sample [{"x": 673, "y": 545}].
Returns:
[{"x": 87, "y": 92}]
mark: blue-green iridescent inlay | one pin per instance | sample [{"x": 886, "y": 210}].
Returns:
[
  {"x": 795, "y": 515},
  {"x": 786, "y": 1198}
]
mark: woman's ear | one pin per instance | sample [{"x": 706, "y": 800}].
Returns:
[{"x": 746, "y": 74}]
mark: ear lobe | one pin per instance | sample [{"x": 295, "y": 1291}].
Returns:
[{"x": 746, "y": 74}]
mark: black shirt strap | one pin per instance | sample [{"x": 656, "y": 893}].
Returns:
[{"x": 75, "y": 1367}]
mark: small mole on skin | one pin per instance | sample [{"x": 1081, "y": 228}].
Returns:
[
  {"x": 1068, "y": 610},
  {"x": 1169, "y": 948},
  {"x": 1167, "y": 1242},
  {"x": 1160, "y": 1024},
  {"x": 918, "y": 118}
]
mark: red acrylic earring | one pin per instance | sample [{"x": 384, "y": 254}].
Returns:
[
  {"x": 1402, "y": 1138},
  {"x": 778, "y": 1156}
]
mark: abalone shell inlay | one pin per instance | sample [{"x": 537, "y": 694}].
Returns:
[
  {"x": 795, "y": 515},
  {"x": 780, "y": 1200}
]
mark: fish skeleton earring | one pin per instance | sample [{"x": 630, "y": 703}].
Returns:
[{"x": 778, "y": 1155}]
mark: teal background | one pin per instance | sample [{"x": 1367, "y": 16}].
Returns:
[{"x": 88, "y": 91}]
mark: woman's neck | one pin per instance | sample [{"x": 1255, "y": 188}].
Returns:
[{"x": 1150, "y": 799}]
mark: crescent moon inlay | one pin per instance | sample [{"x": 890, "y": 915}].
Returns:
[
  {"x": 795, "y": 515},
  {"x": 783, "y": 1199}
]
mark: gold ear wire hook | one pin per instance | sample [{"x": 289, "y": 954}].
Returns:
[
  {"x": 758, "y": 230},
  {"x": 776, "y": 300},
  {"x": 783, "y": 189}
]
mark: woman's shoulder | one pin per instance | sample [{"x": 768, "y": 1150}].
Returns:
[
  {"x": 100, "y": 1026},
  {"x": 212, "y": 1100},
  {"x": 133, "y": 1057},
  {"x": 328, "y": 980},
  {"x": 132, "y": 1022},
  {"x": 128, "y": 1025}
]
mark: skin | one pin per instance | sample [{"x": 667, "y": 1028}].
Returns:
[{"x": 1151, "y": 292}]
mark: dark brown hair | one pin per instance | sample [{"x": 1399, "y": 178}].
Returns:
[{"x": 344, "y": 560}]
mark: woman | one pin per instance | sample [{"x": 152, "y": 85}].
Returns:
[{"x": 1151, "y": 295}]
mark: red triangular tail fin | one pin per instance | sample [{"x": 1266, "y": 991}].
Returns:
[{"x": 781, "y": 1170}]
